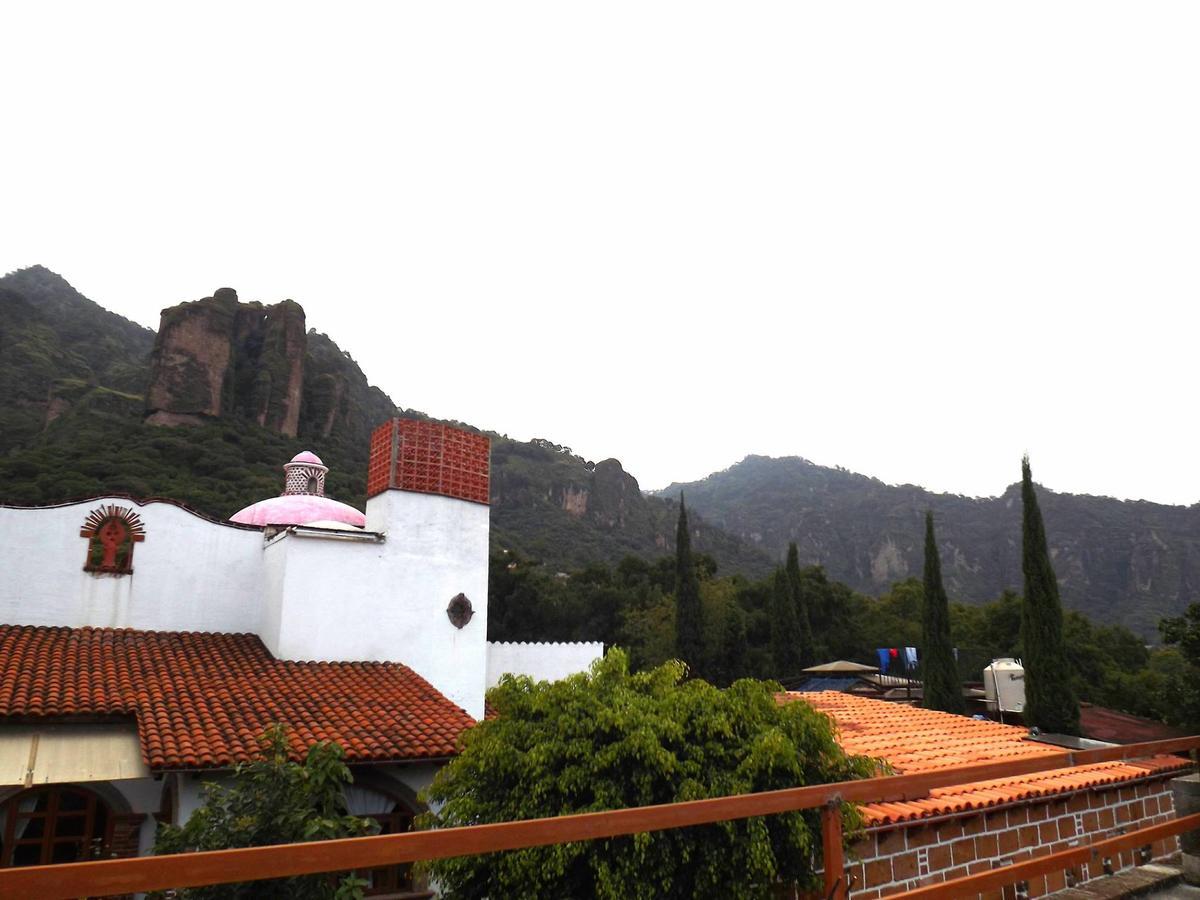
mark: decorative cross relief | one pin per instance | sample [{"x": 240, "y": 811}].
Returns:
[{"x": 111, "y": 532}]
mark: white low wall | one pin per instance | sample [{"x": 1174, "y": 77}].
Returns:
[{"x": 542, "y": 662}]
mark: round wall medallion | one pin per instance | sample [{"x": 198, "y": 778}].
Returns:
[{"x": 460, "y": 611}]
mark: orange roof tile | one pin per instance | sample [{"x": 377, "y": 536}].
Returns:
[
  {"x": 914, "y": 740},
  {"x": 202, "y": 700}
]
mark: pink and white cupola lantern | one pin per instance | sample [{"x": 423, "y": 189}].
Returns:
[{"x": 303, "y": 501}]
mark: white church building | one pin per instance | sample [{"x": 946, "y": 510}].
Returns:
[{"x": 145, "y": 648}]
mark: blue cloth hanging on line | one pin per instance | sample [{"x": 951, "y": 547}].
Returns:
[{"x": 885, "y": 656}]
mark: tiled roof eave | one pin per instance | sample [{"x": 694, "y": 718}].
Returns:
[{"x": 200, "y": 700}]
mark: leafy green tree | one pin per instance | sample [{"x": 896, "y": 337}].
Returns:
[
  {"x": 785, "y": 629},
  {"x": 1178, "y": 681},
  {"x": 1050, "y": 702},
  {"x": 608, "y": 739},
  {"x": 799, "y": 599},
  {"x": 273, "y": 801},
  {"x": 689, "y": 614},
  {"x": 939, "y": 671},
  {"x": 724, "y": 633},
  {"x": 733, "y": 658}
]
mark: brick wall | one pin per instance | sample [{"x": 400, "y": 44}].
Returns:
[
  {"x": 896, "y": 858},
  {"x": 429, "y": 458}
]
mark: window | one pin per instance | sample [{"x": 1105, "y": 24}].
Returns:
[{"x": 53, "y": 824}]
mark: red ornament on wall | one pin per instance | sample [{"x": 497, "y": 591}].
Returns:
[{"x": 111, "y": 532}]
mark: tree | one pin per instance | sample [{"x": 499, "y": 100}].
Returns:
[
  {"x": 785, "y": 630},
  {"x": 608, "y": 739},
  {"x": 1050, "y": 702},
  {"x": 689, "y": 614},
  {"x": 804, "y": 632},
  {"x": 939, "y": 669},
  {"x": 1179, "y": 686},
  {"x": 273, "y": 801}
]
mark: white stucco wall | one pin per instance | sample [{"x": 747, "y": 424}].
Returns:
[
  {"x": 543, "y": 662},
  {"x": 189, "y": 574},
  {"x": 386, "y": 600}
]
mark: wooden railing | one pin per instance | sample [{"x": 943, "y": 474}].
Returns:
[{"x": 120, "y": 876}]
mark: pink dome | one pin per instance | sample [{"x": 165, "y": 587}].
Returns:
[
  {"x": 298, "y": 509},
  {"x": 307, "y": 456}
]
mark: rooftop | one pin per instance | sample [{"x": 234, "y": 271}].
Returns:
[
  {"x": 915, "y": 740},
  {"x": 202, "y": 700}
]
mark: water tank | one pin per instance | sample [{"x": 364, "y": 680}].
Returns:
[{"x": 1004, "y": 685}]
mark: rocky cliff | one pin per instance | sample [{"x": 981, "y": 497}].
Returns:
[{"x": 219, "y": 357}]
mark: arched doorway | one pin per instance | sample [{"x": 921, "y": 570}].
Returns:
[{"x": 56, "y": 823}]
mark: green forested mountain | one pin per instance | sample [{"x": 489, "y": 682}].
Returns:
[
  {"x": 56, "y": 348},
  {"x": 79, "y": 387},
  {"x": 1119, "y": 561}
]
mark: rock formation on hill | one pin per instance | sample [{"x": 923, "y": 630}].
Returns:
[{"x": 217, "y": 357}]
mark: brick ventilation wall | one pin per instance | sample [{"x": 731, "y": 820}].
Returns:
[
  {"x": 899, "y": 858},
  {"x": 429, "y": 458}
]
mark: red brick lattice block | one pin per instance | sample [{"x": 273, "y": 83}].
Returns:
[{"x": 429, "y": 458}]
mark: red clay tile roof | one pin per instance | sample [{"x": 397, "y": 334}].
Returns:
[
  {"x": 202, "y": 700},
  {"x": 1117, "y": 727},
  {"x": 920, "y": 740}
]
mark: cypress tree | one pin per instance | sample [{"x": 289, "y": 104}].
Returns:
[
  {"x": 804, "y": 634},
  {"x": 689, "y": 624},
  {"x": 1050, "y": 702},
  {"x": 785, "y": 631},
  {"x": 939, "y": 670}
]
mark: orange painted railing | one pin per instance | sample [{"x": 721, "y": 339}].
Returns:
[{"x": 120, "y": 876}]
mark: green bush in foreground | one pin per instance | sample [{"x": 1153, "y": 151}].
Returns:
[{"x": 609, "y": 739}]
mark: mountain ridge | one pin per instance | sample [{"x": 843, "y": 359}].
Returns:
[
  {"x": 75, "y": 381},
  {"x": 677, "y": 486},
  {"x": 1126, "y": 561}
]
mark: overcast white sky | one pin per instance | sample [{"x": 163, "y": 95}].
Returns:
[{"x": 912, "y": 239}]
